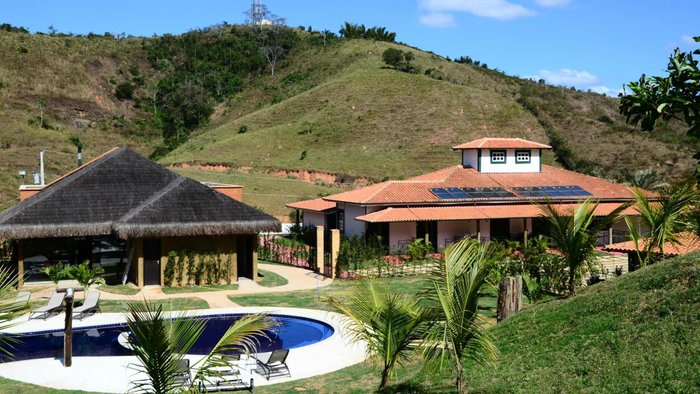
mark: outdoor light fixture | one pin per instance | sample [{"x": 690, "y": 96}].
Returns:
[{"x": 22, "y": 174}]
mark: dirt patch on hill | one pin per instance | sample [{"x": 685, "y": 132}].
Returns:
[{"x": 314, "y": 177}]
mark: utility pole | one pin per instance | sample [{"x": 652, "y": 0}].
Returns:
[{"x": 41, "y": 168}]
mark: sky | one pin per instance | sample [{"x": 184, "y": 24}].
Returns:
[{"x": 590, "y": 44}]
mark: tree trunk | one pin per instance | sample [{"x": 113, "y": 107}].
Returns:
[
  {"x": 385, "y": 378},
  {"x": 459, "y": 381},
  {"x": 510, "y": 297}
]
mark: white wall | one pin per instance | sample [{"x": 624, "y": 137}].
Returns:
[
  {"x": 485, "y": 229},
  {"x": 352, "y": 226},
  {"x": 314, "y": 219},
  {"x": 450, "y": 229},
  {"x": 469, "y": 158},
  {"x": 400, "y": 232},
  {"x": 510, "y": 165}
]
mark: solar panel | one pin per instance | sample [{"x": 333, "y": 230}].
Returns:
[
  {"x": 551, "y": 191},
  {"x": 471, "y": 193}
]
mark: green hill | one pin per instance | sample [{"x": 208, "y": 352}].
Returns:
[
  {"x": 339, "y": 109},
  {"x": 334, "y": 108}
]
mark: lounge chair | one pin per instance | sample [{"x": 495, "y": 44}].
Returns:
[
  {"x": 55, "y": 304},
  {"x": 22, "y": 298},
  {"x": 273, "y": 364},
  {"x": 182, "y": 374},
  {"x": 226, "y": 385},
  {"x": 90, "y": 305}
]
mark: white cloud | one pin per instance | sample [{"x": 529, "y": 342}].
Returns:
[
  {"x": 602, "y": 89},
  {"x": 552, "y": 3},
  {"x": 437, "y": 19},
  {"x": 567, "y": 77},
  {"x": 496, "y": 9}
]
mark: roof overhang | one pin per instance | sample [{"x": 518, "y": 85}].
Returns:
[
  {"x": 506, "y": 211},
  {"x": 686, "y": 243},
  {"x": 315, "y": 205}
]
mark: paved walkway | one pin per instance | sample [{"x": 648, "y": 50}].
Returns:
[{"x": 297, "y": 279}]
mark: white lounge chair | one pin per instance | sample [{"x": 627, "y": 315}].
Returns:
[
  {"x": 55, "y": 304},
  {"x": 22, "y": 298},
  {"x": 90, "y": 305},
  {"x": 273, "y": 364}
]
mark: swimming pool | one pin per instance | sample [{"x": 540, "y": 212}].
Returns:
[{"x": 292, "y": 332}]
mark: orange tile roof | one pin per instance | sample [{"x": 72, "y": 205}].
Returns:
[
  {"x": 315, "y": 205},
  {"x": 501, "y": 143},
  {"x": 688, "y": 242},
  {"x": 505, "y": 211},
  {"x": 417, "y": 189}
]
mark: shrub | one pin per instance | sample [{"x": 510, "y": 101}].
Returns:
[
  {"x": 124, "y": 91},
  {"x": 191, "y": 266},
  {"x": 357, "y": 252},
  {"x": 56, "y": 272},
  {"x": 228, "y": 268},
  {"x": 419, "y": 249},
  {"x": 242, "y": 129},
  {"x": 180, "y": 267},
  {"x": 169, "y": 272},
  {"x": 399, "y": 60}
]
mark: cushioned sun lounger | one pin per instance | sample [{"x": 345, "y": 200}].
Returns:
[
  {"x": 22, "y": 298},
  {"x": 55, "y": 304},
  {"x": 273, "y": 364},
  {"x": 90, "y": 305}
]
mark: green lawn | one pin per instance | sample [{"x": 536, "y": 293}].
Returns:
[
  {"x": 270, "y": 279},
  {"x": 116, "y": 306},
  {"x": 127, "y": 289},
  {"x": 198, "y": 289}
]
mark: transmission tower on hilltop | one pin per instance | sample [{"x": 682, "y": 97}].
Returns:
[{"x": 257, "y": 12}]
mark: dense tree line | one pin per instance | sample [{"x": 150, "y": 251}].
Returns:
[
  {"x": 203, "y": 67},
  {"x": 352, "y": 30}
]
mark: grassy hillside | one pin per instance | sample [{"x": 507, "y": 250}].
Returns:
[
  {"x": 333, "y": 108},
  {"x": 338, "y": 109},
  {"x": 638, "y": 333},
  {"x": 73, "y": 79}
]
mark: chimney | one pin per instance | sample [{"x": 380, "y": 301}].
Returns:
[
  {"x": 26, "y": 191},
  {"x": 233, "y": 191}
]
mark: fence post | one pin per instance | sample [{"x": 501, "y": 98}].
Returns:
[
  {"x": 510, "y": 297},
  {"x": 319, "y": 249},
  {"x": 335, "y": 249}
]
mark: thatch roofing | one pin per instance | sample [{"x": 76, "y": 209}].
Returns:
[{"x": 128, "y": 195}]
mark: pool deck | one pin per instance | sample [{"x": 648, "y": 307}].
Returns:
[{"x": 112, "y": 374}]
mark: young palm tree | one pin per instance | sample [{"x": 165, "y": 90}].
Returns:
[
  {"x": 390, "y": 324},
  {"x": 576, "y": 233},
  {"x": 664, "y": 219},
  {"x": 161, "y": 343},
  {"x": 459, "y": 331},
  {"x": 9, "y": 309},
  {"x": 86, "y": 274}
]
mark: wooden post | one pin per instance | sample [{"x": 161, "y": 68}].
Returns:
[
  {"x": 256, "y": 242},
  {"x": 139, "y": 264},
  {"x": 525, "y": 238},
  {"x": 335, "y": 249},
  {"x": 68, "y": 330},
  {"x": 320, "y": 247},
  {"x": 510, "y": 297},
  {"x": 610, "y": 236}
]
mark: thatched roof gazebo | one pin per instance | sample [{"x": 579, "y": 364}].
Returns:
[{"x": 152, "y": 210}]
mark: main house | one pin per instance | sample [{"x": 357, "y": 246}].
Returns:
[
  {"x": 126, "y": 213},
  {"x": 493, "y": 194}
]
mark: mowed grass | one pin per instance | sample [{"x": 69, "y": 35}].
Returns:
[
  {"x": 118, "y": 306},
  {"x": 267, "y": 192},
  {"x": 270, "y": 279},
  {"x": 127, "y": 289},
  {"x": 637, "y": 333},
  {"x": 198, "y": 289}
]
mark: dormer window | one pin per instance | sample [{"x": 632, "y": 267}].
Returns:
[
  {"x": 498, "y": 156},
  {"x": 522, "y": 156}
]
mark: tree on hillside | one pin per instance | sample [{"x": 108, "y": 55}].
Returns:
[
  {"x": 575, "y": 235},
  {"x": 353, "y": 30},
  {"x": 399, "y": 60},
  {"x": 272, "y": 53},
  {"x": 658, "y": 99}
]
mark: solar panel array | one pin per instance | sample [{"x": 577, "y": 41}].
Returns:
[
  {"x": 551, "y": 191},
  {"x": 470, "y": 193}
]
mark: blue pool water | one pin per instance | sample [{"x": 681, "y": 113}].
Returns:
[{"x": 292, "y": 332}]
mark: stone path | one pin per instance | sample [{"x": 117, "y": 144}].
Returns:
[{"x": 297, "y": 279}]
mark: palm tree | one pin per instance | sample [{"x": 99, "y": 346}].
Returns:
[
  {"x": 459, "y": 330},
  {"x": 9, "y": 309},
  {"x": 576, "y": 233},
  {"x": 664, "y": 218},
  {"x": 648, "y": 179},
  {"x": 390, "y": 324},
  {"x": 161, "y": 343},
  {"x": 86, "y": 274}
]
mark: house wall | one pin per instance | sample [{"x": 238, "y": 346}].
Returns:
[
  {"x": 510, "y": 165},
  {"x": 484, "y": 229},
  {"x": 401, "y": 232},
  {"x": 517, "y": 226},
  {"x": 470, "y": 158},
  {"x": 223, "y": 247},
  {"x": 314, "y": 219},
  {"x": 448, "y": 230},
  {"x": 352, "y": 226}
]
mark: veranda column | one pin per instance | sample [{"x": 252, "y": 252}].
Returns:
[
  {"x": 319, "y": 249},
  {"x": 335, "y": 249},
  {"x": 20, "y": 263},
  {"x": 139, "y": 262}
]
